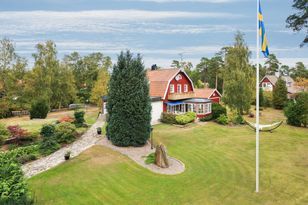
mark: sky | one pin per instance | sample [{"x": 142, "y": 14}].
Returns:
[{"x": 160, "y": 30}]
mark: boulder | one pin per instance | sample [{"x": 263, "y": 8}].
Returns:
[{"x": 161, "y": 158}]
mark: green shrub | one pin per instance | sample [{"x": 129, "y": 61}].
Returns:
[
  {"x": 13, "y": 187},
  {"x": 39, "y": 109},
  {"x": 150, "y": 159},
  {"x": 48, "y": 130},
  {"x": 297, "y": 112},
  {"x": 65, "y": 132},
  {"x": 185, "y": 118},
  {"x": 168, "y": 118},
  {"x": 217, "y": 110},
  {"x": 79, "y": 118},
  {"x": 3, "y": 130},
  {"x": 182, "y": 119},
  {"x": 238, "y": 119},
  {"x": 23, "y": 153},
  {"x": 206, "y": 118},
  {"x": 48, "y": 146},
  {"x": 222, "y": 119}
]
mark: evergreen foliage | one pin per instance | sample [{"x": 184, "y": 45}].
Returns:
[
  {"x": 297, "y": 112},
  {"x": 217, "y": 110},
  {"x": 129, "y": 104},
  {"x": 47, "y": 130},
  {"x": 168, "y": 118},
  {"x": 79, "y": 118},
  {"x": 280, "y": 93},
  {"x": 39, "y": 109}
]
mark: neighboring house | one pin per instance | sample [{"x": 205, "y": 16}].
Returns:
[
  {"x": 178, "y": 94},
  {"x": 269, "y": 81}
]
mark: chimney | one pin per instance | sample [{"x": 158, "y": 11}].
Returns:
[{"x": 154, "y": 67}]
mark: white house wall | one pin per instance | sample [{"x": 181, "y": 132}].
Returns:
[{"x": 157, "y": 109}]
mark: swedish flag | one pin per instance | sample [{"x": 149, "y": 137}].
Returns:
[{"x": 264, "y": 45}]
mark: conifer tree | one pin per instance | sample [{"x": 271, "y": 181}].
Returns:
[
  {"x": 280, "y": 93},
  {"x": 129, "y": 105}
]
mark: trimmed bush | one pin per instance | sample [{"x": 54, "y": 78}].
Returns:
[
  {"x": 185, "y": 118},
  {"x": 65, "y": 132},
  {"x": 79, "y": 118},
  {"x": 207, "y": 118},
  {"x": 217, "y": 110},
  {"x": 48, "y": 130},
  {"x": 168, "y": 118},
  {"x": 222, "y": 119},
  {"x": 39, "y": 109}
]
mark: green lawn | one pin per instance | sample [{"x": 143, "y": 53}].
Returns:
[
  {"x": 220, "y": 169},
  {"x": 36, "y": 124}
]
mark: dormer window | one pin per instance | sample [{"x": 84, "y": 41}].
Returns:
[
  {"x": 179, "y": 88},
  {"x": 185, "y": 88},
  {"x": 171, "y": 88}
]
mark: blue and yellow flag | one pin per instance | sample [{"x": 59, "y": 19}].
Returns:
[{"x": 264, "y": 45}]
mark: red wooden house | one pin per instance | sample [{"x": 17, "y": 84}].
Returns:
[{"x": 178, "y": 94}]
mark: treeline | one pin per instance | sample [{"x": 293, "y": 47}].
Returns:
[
  {"x": 73, "y": 79},
  {"x": 233, "y": 75}
]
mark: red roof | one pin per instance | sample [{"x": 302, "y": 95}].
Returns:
[
  {"x": 205, "y": 92},
  {"x": 159, "y": 80}
]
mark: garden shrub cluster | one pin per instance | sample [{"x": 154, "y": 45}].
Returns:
[
  {"x": 217, "y": 110},
  {"x": 236, "y": 118},
  {"x": 185, "y": 118},
  {"x": 4, "y": 133},
  {"x": 297, "y": 112},
  {"x": 55, "y": 135},
  {"x": 39, "y": 109},
  {"x": 22, "y": 154},
  {"x": 168, "y": 118},
  {"x": 13, "y": 187}
]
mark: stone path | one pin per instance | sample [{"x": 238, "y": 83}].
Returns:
[
  {"x": 138, "y": 155},
  {"x": 86, "y": 141}
]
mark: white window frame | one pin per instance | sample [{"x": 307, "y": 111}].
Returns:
[
  {"x": 179, "y": 90},
  {"x": 171, "y": 88},
  {"x": 185, "y": 88}
]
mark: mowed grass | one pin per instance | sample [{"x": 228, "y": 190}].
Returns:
[
  {"x": 220, "y": 169},
  {"x": 36, "y": 124}
]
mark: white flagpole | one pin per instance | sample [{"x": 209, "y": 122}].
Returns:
[{"x": 257, "y": 101}]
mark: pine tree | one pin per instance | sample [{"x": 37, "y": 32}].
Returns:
[
  {"x": 129, "y": 104},
  {"x": 280, "y": 93}
]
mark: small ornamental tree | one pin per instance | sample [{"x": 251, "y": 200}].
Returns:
[
  {"x": 280, "y": 93},
  {"x": 39, "y": 109},
  {"x": 129, "y": 104},
  {"x": 18, "y": 133}
]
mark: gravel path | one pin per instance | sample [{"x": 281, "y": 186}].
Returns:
[
  {"x": 138, "y": 154},
  {"x": 86, "y": 141}
]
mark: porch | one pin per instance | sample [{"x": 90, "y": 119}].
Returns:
[{"x": 200, "y": 106}]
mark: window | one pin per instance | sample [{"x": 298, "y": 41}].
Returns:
[
  {"x": 179, "y": 88},
  {"x": 171, "y": 88},
  {"x": 185, "y": 88},
  {"x": 207, "y": 108},
  {"x": 200, "y": 109}
]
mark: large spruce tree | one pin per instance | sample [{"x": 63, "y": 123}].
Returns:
[
  {"x": 280, "y": 93},
  {"x": 129, "y": 104}
]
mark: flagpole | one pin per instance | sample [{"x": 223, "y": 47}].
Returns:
[{"x": 257, "y": 100}]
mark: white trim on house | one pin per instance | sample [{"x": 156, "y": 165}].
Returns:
[
  {"x": 214, "y": 92},
  {"x": 180, "y": 70}
]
